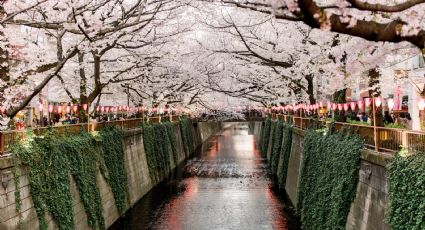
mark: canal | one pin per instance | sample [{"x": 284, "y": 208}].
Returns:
[{"x": 225, "y": 185}]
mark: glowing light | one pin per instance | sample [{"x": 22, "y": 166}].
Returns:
[
  {"x": 390, "y": 103},
  {"x": 378, "y": 101},
  {"x": 421, "y": 104},
  {"x": 353, "y": 105}
]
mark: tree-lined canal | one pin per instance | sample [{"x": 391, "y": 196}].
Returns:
[{"x": 224, "y": 186}]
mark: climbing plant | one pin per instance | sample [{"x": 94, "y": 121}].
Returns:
[
  {"x": 266, "y": 136},
  {"x": 328, "y": 179},
  {"x": 149, "y": 145},
  {"x": 407, "y": 191},
  {"x": 276, "y": 146},
  {"x": 187, "y": 135},
  {"x": 51, "y": 160},
  {"x": 173, "y": 140},
  {"x": 285, "y": 153},
  {"x": 113, "y": 158},
  {"x": 157, "y": 140}
]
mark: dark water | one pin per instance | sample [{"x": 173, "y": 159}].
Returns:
[{"x": 224, "y": 186}]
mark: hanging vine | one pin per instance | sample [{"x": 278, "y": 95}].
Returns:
[
  {"x": 266, "y": 136},
  {"x": 285, "y": 154},
  {"x": 276, "y": 146},
  {"x": 51, "y": 160},
  {"x": 407, "y": 191},
  {"x": 187, "y": 135},
  {"x": 173, "y": 141},
  {"x": 328, "y": 181}
]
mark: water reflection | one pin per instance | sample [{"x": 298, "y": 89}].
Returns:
[{"x": 226, "y": 186}]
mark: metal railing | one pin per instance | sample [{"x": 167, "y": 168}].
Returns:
[
  {"x": 9, "y": 138},
  {"x": 388, "y": 140}
]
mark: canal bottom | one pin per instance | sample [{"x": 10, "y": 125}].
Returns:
[{"x": 224, "y": 185}]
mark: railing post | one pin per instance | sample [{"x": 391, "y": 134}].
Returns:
[
  {"x": 404, "y": 139},
  {"x": 1, "y": 144}
]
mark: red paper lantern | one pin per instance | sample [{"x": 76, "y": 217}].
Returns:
[
  {"x": 59, "y": 109},
  {"x": 360, "y": 103},
  {"x": 353, "y": 105},
  {"x": 378, "y": 101},
  {"x": 75, "y": 108},
  {"x": 346, "y": 106},
  {"x": 50, "y": 108},
  {"x": 68, "y": 109},
  {"x": 334, "y": 106},
  {"x": 368, "y": 101},
  {"x": 85, "y": 107}
]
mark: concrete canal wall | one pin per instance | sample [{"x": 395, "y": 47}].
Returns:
[
  {"x": 368, "y": 211},
  {"x": 139, "y": 182}
]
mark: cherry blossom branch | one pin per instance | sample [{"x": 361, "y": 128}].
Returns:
[{"x": 364, "y": 5}]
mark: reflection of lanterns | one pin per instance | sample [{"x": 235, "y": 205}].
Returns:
[
  {"x": 345, "y": 106},
  {"x": 390, "y": 103},
  {"x": 50, "y": 108},
  {"x": 353, "y": 105},
  {"x": 378, "y": 101},
  {"x": 421, "y": 104}
]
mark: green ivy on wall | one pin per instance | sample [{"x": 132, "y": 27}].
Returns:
[
  {"x": 328, "y": 181},
  {"x": 52, "y": 158},
  {"x": 276, "y": 146},
  {"x": 266, "y": 136},
  {"x": 187, "y": 135},
  {"x": 173, "y": 140},
  {"x": 157, "y": 140},
  {"x": 285, "y": 153},
  {"x": 113, "y": 158},
  {"x": 407, "y": 191}
]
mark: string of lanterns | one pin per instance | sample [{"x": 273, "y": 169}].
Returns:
[
  {"x": 73, "y": 108},
  {"x": 361, "y": 105}
]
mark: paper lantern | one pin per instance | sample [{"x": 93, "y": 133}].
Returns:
[
  {"x": 378, "y": 101},
  {"x": 329, "y": 105},
  {"x": 85, "y": 107},
  {"x": 68, "y": 109},
  {"x": 75, "y": 108},
  {"x": 321, "y": 104},
  {"x": 390, "y": 103},
  {"x": 2, "y": 109},
  {"x": 368, "y": 101},
  {"x": 339, "y": 106},
  {"x": 50, "y": 108},
  {"x": 346, "y": 106},
  {"x": 360, "y": 104},
  {"x": 353, "y": 105},
  {"x": 40, "y": 107},
  {"x": 421, "y": 104},
  {"x": 334, "y": 106},
  {"x": 59, "y": 109}
]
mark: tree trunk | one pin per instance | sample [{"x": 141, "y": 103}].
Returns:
[
  {"x": 375, "y": 91},
  {"x": 339, "y": 97}
]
